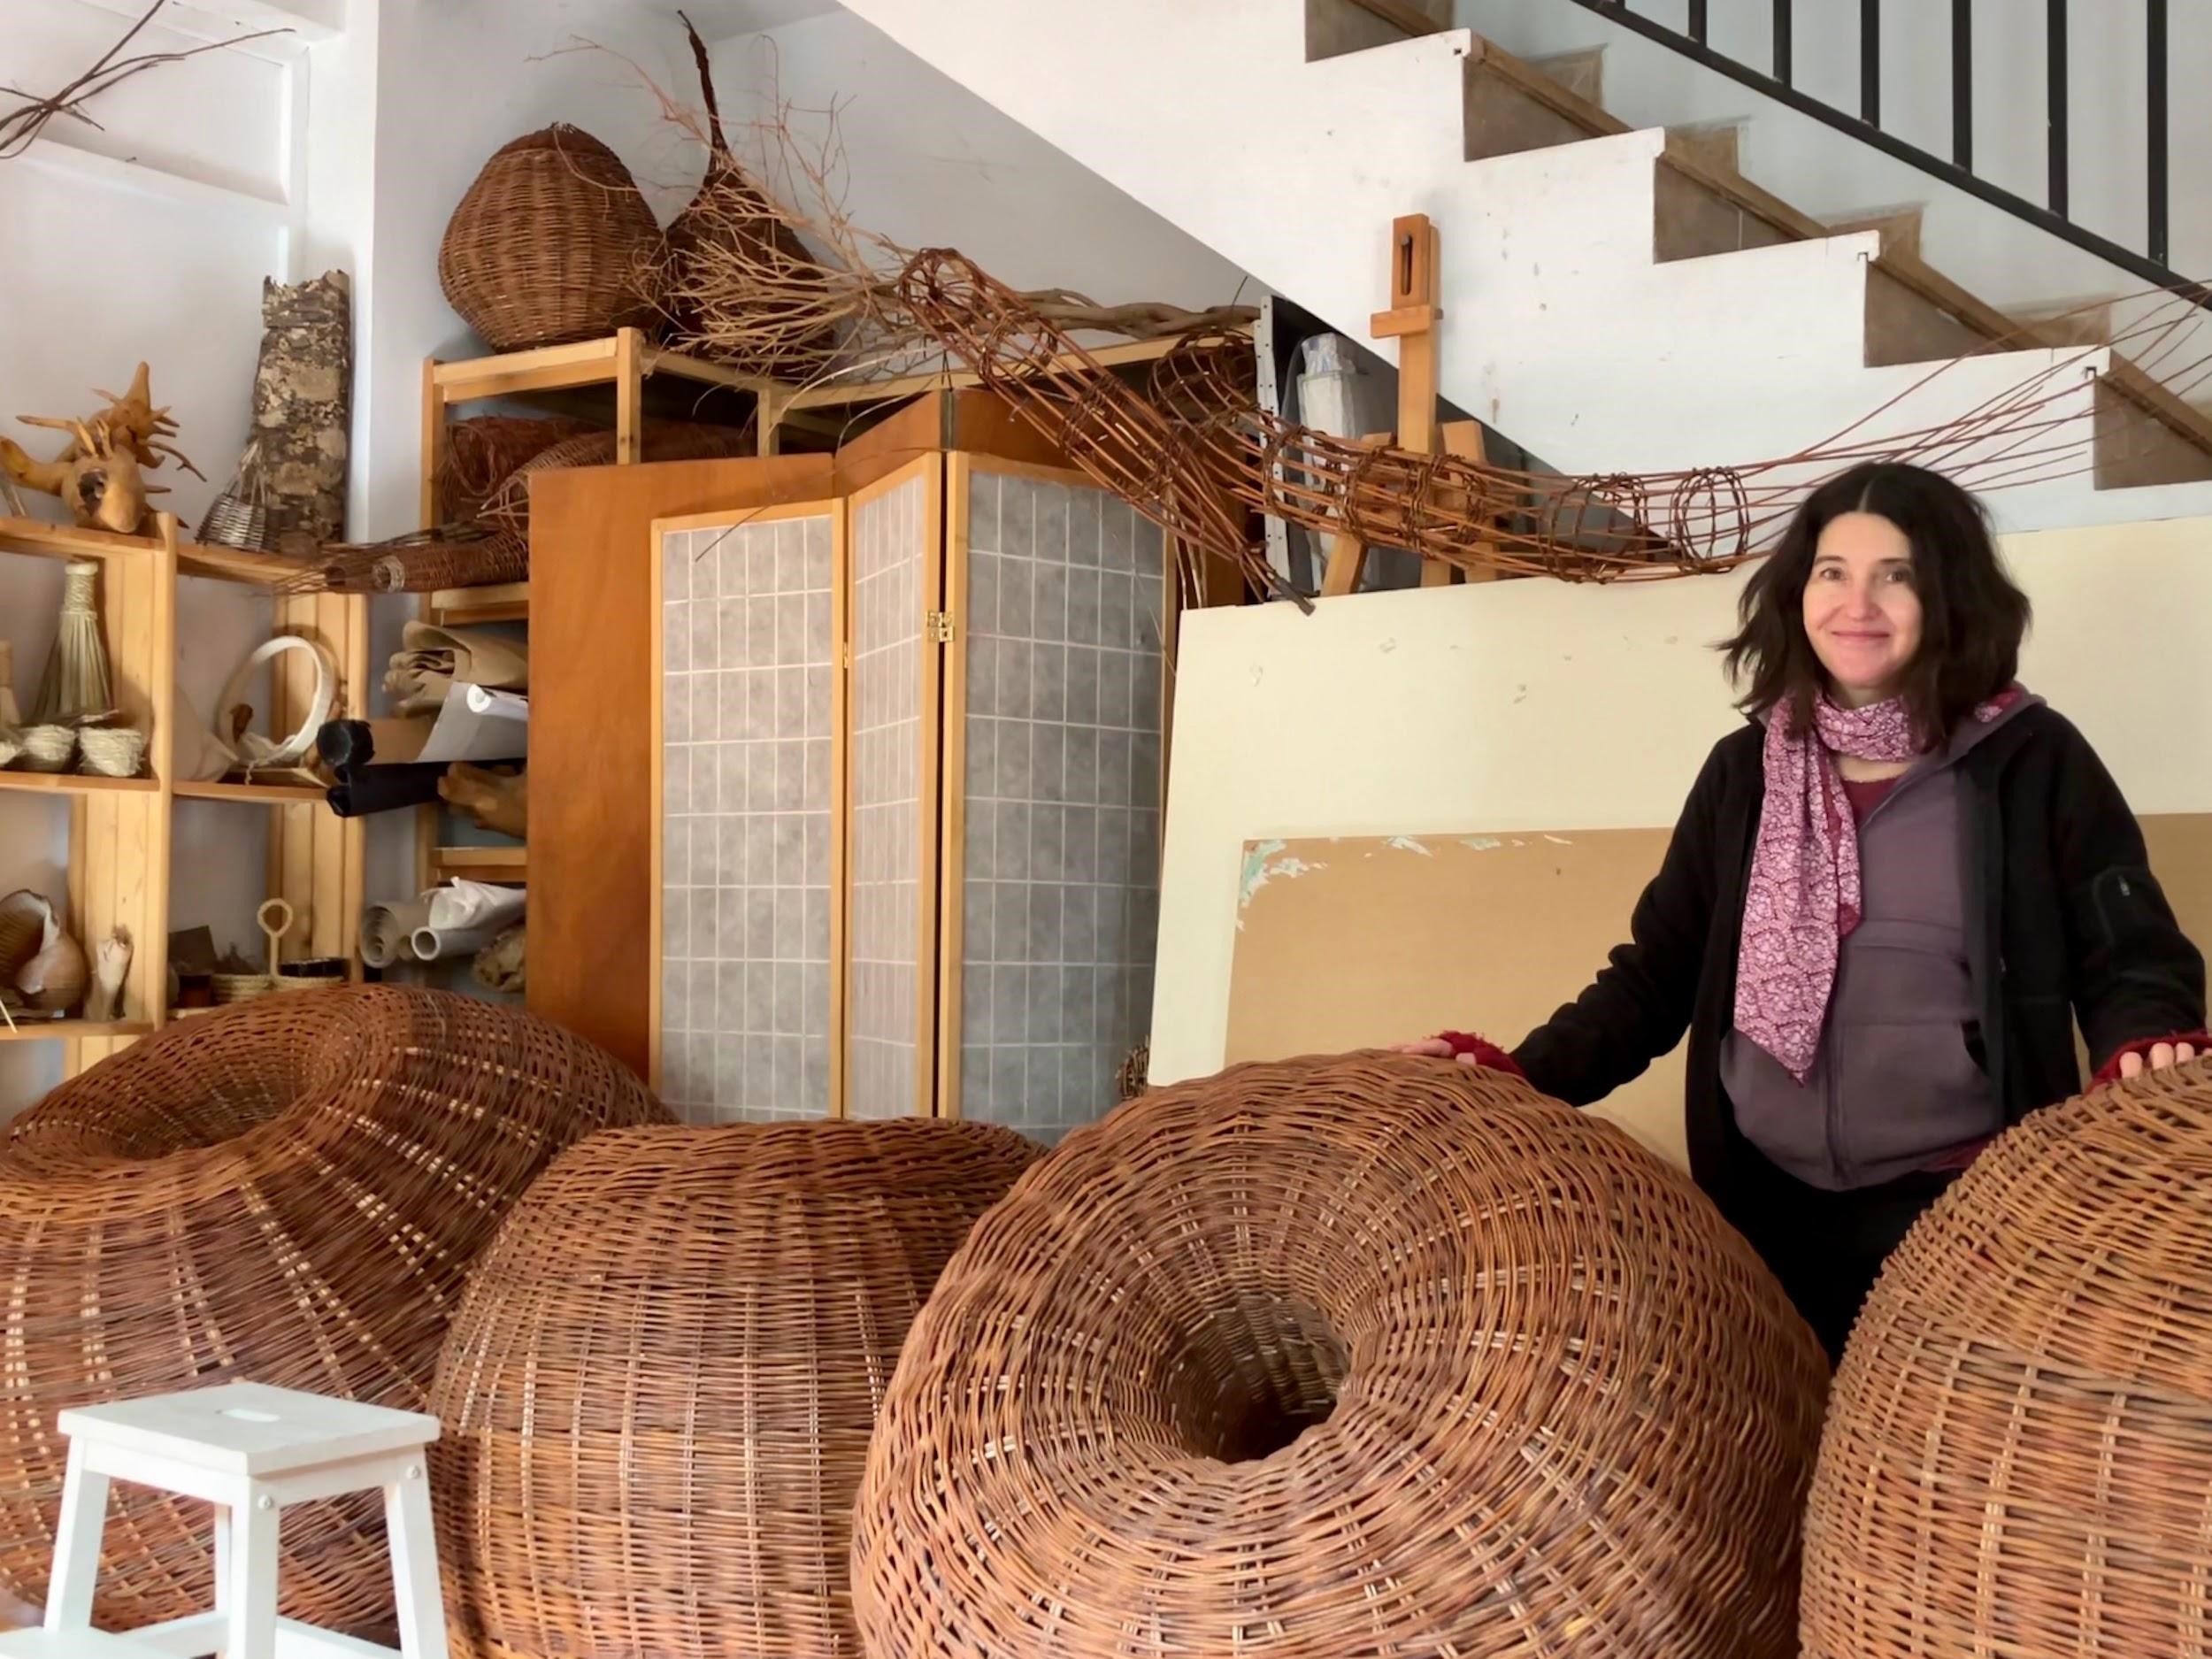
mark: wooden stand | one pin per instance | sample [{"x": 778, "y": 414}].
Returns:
[
  {"x": 119, "y": 829},
  {"x": 1411, "y": 321}
]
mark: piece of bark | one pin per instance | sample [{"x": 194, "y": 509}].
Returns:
[{"x": 303, "y": 401}]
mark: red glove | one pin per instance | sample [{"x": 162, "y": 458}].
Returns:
[{"x": 1484, "y": 1053}]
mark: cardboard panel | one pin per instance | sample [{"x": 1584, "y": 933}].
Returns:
[{"x": 1351, "y": 942}]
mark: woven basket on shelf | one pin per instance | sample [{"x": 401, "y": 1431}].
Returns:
[
  {"x": 1336, "y": 1359},
  {"x": 289, "y": 1191},
  {"x": 2019, "y": 1448},
  {"x": 509, "y": 505},
  {"x": 482, "y": 451},
  {"x": 658, "y": 1391},
  {"x": 553, "y": 242}
]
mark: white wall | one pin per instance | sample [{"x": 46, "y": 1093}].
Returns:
[
  {"x": 149, "y": 240},
  {"x": 1533, "y": 705},
  {"x": 928, "y": 164}
]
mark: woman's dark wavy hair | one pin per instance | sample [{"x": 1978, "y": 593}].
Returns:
[{"x": 1973, "y": 618}]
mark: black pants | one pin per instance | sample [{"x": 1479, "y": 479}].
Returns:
[{"x": 1826, "y": 1248}]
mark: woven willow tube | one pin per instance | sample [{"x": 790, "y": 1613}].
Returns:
[
  {"x": 289, "y": 1192},
  {"x": 1340, "y": 1358},
  {"x": 659, "y": 1393},
  {"x": 2018, "y": 1459}
]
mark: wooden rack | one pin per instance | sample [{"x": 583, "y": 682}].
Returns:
[{"x": 120, "y": 829}]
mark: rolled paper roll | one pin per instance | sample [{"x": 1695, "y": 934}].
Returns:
[
  {"x": 434, "y": 943},
  {"x": 388, "y": 931},
  {"x": 384, "y": 790}
]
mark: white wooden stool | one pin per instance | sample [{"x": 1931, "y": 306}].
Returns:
[{"x": 248, "y": 1450}]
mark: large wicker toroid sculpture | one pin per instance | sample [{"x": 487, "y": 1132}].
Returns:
[
  {"x": 1341, "y": 1358},
  {"x": 2018, "y": 1458},
  {"x": 658, "y": 1394},
  {"x": 287, "y": 1192}
]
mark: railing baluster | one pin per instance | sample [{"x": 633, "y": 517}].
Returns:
[
  {"x": 1962, "y": 83},
  {"x": 1688, "y": 38},
  {"x": 2055, "y": 94},
  {"x": 1871, "y": 62},
  {"x": 2155, "y": 112}
]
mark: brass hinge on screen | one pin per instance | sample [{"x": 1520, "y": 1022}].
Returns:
[{"x": 940, "y": 626}]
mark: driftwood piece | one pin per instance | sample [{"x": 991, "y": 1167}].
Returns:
[
  {"x": 303, "y": 402},
  {"x": 498, "y": 801},
  {"x": 99, "y": 473}
]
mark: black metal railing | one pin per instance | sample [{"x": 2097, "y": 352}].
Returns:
[{"x": 2149, "y": 261}]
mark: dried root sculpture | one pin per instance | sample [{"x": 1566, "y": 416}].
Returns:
[{"x": 99, "y": 474}]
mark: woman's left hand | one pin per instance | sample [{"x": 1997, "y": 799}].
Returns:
[{"x": 2164, "y": 1056}]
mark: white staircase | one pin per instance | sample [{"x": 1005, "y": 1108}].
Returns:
[{"x": 1615, "y": 300}]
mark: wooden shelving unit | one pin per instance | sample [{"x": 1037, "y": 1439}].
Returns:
[{"x": 120, "y": 829}]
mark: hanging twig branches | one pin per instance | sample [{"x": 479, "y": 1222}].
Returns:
[
  {"x": 1195, "y": 453},
  {"x": 18, "y": 129}
]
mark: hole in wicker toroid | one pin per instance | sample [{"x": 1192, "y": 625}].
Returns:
[{"x": 1250, "y": 1375}]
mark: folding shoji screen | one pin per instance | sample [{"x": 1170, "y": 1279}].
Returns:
[
  {"x": 751, "y": 850},
  {"x": 909, "y": 798}
]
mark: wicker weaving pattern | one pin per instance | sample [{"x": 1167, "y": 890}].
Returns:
[
  {"x": 1337, "y": 1358},
  {"x": 553, "y": 242},
  {"x": 659, "y": 1393},
  {"x": 2019, "y": 1456},
  {"x": 289, "y": 1191}
]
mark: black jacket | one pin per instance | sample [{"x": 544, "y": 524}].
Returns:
[{"x": 2063, "y": 919}]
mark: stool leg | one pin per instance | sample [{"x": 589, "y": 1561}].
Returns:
[
  {"x": 414, "y": 1537},
  {"x": 222, "y": 1566},
  {"x": 84, "y": 1514},
  {"x": 249, "y": 1591}
]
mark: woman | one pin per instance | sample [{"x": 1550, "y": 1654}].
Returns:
[{"x": 1882, "y": 902}]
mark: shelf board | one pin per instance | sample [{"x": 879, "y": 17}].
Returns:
[
  {"x": 32, "y": 1030},
  {"x": 39, "y": 540},
  {"x": 237, "y": 565},
  {"x": 256, "y": 794},
  {"x": 586, "y": 362},
  {"x": 509, "y": 864},
  {"x": 74, "y": 783},
  {"x": 499, "y": 601}
]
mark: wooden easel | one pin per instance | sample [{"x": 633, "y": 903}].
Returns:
[{"x": 1411, "y": 320}]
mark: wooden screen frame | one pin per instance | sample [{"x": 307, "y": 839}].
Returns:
[
  {"x": 961, "y": 467},
  {"x": 929, "y": 779},
  {"x": 832, "y": 509}
]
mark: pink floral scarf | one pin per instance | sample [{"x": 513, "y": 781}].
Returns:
[{"x": 1805, "y": 897}]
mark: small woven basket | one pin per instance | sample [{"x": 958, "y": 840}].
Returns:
[
  {"x": 112, "y": 751},
  {"x": 48, "y": 747},
  {"x": 551, "y": 243}
]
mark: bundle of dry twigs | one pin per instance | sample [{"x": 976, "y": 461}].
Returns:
[{"x": 19, "y": 128}]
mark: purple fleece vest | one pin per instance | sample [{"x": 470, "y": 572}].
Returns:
[{"x": 1898, "y": 1082}]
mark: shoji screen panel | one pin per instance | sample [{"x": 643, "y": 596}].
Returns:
[
  {"x": 1051, "y": 871},
  {"x": 750, "y": 851},
  {"x": 895, "y": 529}
]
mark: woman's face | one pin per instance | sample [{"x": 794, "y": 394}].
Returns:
[{"x": 1861, "y": 610}]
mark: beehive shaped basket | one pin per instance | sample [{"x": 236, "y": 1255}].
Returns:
[
  {"x": 2018, "y": 1456},
  {"x": 1336, "y": 1359},
  {"x": 553, "y": 242},
  {"x": 289, "y": 1192},
  {"x": 658, "y": 1394}
]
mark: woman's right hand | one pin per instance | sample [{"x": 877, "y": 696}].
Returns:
[{"x": 1431, "y": 1049}]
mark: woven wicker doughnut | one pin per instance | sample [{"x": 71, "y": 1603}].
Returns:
[
  {"x": 2018, "y": 1457},
  {"x": 287, "y": 1192},
  {"x": 658, "y": 1391},
  {"x": 1340, "y": 1358}
]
